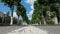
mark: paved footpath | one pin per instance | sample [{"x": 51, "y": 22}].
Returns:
[{"x": 50, "y": 29}]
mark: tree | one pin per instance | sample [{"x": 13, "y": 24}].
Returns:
[
  {"x": 54, "y": 8},
  {"x": 18, "y": 11},
  {"x": 51, "y": 6},
  {"x": 24, "y": 15},
  {"x": 21, "y": 11},
  {"x": 41, "y": 7},
  {"x": 39, "y": 11},
  {"x": 58, "y": 10},
  {"x": 11, "y": 4}
]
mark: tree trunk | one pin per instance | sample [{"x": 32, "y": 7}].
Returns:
[
  {"x": 2, "y": 19},
  {"x": 55, "y": 20},
  {"x": 44, "y": 20},
  {"x": 11, "y": 23},
  {"x": 40, "y": 23},
  {"x": 18, "y": 20}
]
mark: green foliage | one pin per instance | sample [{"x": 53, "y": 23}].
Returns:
[
  {"x": 18, "y": 13},
  {"x": 25, "y": 18},
  {"x": 24, "y": 15},
  {"x": 41, "y": 7},
  {"x": 38, "y": 12},
  {"x": 22, "y": 11},
  {"x": 11, "y": 3},
  {"x": 50, "y": 22}
]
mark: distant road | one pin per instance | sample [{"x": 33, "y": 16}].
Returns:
[{"x": 50, "y": 29}]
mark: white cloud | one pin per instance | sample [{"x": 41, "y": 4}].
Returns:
[
  {"x": 30, "y": 14},
  {"x": 31, "y": 2},
  {"x": 32, "y": 6}
]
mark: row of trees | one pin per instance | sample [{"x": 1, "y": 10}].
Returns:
[
  {"x": 20, "y": 11},
  {"x": 46, "y": 12}
]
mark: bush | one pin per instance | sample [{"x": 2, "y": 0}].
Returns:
[{"x": 50, "y": 22}]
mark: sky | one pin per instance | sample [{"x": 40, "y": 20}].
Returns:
[{"x": 28, "y": 4}]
